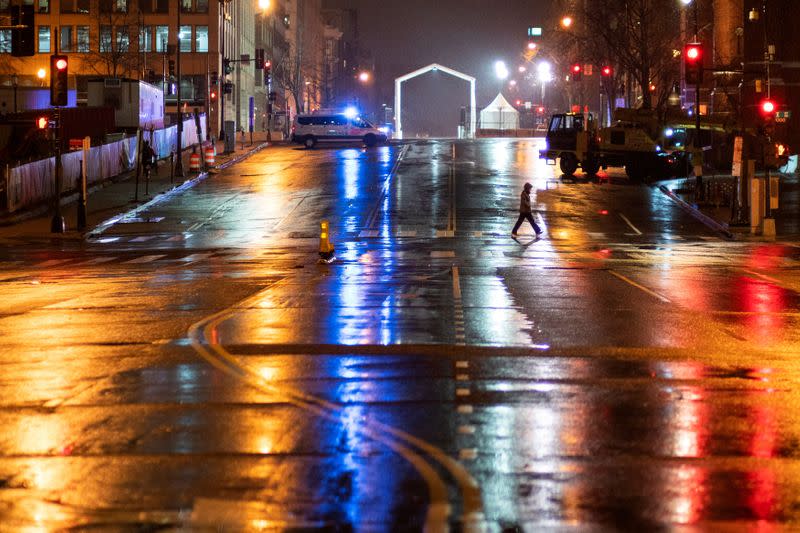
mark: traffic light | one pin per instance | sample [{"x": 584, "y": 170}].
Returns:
[
  {"x": 693, "y": 63},
  {"x": 58, "y": 80},
  {"x": 227, "y": 87},
  {"x": 42, "y": 122},
  {"x": 213, "y": 96},
  {"x": 22, "y": 39},
  {"x": 227, "y": 68},
  {"x": 214, "y": 77},
  {"x": 767, "y": 107},
  {"x": 171, "y": 68},
  {"x": 576, "y": 70},
  {"x": 606, "y": 71},
  {"x": 259, "y": 58},
  {"x": 267, "y": 72}
]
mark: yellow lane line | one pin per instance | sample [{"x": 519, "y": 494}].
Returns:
[
  {"x": 640, "y": 287},
  {"x": 439, "y": 508},
  {"x": 628, "y": 222}
]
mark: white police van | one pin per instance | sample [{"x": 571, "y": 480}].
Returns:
[{"x": 309, "y": 129}]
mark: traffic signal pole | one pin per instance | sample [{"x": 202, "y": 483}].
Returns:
[
  {"x": 698, "y": 151},
  {"x": 179, "y": 140},
  {"x": 57, "y": 98}
]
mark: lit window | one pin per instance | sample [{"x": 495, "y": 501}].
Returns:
[
  {"x": 105, "y": 39},
  {"x": 83, "y": 39},
  {"x": 201, "y": 38},
  {"x": 162, "y": 38},
  {"x": 65, "y": 43},
  {"x": 186, "y": 38},
  {"x": 146, "y": 39},
  {"x": 5, "y": 41},
  {"x": 123, "y": 39},
  {"x": 44, "y": 39}
]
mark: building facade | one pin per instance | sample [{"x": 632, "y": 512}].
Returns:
[{"x": 138, "y": 39}]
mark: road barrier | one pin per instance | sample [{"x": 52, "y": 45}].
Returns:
[
  {"x": 325, "y": 244},
  {"x": 194, "y": 162},
  {"x": 209, "y": 157}
]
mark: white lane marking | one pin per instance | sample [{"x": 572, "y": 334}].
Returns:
[
  {"x": 144, "y": 259},
  {"x": 442, "y": 254},
  {"x": 462, "y": 377},
  {"x": 445, "y": 233},
  {"x": 466, "y": 429},
  {"x": 628, "y": 222},
  {"x": 465, "y": 409},
  {"x": 195, "y": 257},
  {"x": 143, "y": 238},
  {"x": 640, "y": 287},
  {"x": 462, "y": 364},
  {"x": 542, "y": 225},
  {"x": 456, "y": 284},
  {"x": 407, "y": 233},
  {"x": 462, "y": 392},
  {"x": 368, "y": 233},
  {"x": 195, "y": 226},
  {"x": 477, "y": 234},
  {"x": 176, "y": 238}
]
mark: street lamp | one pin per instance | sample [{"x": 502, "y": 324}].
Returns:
[
  {"x": 41, "y": 73},
  {"x": 501, "y": 70},
  {"x": 364, "y": 76},
  {"x": 566, "y": 22}
]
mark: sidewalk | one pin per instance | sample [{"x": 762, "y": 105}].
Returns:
[
  {"x": 720, "y": 192},
  {"x": 117, "y": 195}
]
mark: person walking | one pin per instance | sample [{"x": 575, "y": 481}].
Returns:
[{"x": 525, "y": 212}]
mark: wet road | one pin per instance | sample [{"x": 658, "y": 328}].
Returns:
[{"x": 193, "y": 366}]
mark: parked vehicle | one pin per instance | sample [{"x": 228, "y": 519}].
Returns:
[{"x": 309, "y": 129}]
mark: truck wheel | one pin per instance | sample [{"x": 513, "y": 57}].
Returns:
[
  {"x": 568, "y": 164},
  {"x": 370, "y": 140},
  {"x": 591, "y": 167},
  {"x": 310, "y": 141}
]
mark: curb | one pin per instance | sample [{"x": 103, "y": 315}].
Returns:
[
  {"x": 696, "y": 213},
  {"x": 103, "y": 226}
]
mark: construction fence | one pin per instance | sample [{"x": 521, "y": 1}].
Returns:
[{"x": 33, "y": 183}]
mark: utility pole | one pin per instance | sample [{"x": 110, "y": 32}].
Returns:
[{"x": 179, "y": 140}]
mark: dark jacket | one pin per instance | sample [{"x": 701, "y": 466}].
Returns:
[{"x": 525, "y": 202}]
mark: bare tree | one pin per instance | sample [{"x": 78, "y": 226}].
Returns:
[
  {"x": 641, "y": 38},
  {"x": 115, "y": 45}
]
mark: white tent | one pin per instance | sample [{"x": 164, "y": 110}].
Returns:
[{"x": 499, "y": 115}]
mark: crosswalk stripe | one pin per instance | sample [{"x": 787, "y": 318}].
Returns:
[
  {"x": 445, "y": 233},
  {"x": 368, "y": 233},
  {"x": 407, "y": 233},
  {"x": 143, "y": 238},
  {"x": 97, "y": 261}
]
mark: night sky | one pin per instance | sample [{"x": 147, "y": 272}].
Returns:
[{"x": 466, "y": 35}]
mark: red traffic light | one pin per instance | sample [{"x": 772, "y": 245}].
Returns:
[
  {"x": 606, "y": 71},
  {"x": 768, "y": 107},
  {"x": 540, "y": 109},
  {"x": 213, "y": 95},
  {"x": 693, "y": 53},
  {"x": 42, "y": 123},
  {"x": 61, "y": 63},
  {"x": 576, "y": 68}
]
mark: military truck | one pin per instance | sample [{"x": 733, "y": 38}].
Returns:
[{"x": 633, "y": 141}]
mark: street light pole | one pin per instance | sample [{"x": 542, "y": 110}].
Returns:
[
  {"x": 15, "y": 81},
  {"x": 179, "y": 150}
]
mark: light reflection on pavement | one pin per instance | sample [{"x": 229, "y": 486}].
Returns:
[{"x": 631, "y": 372}]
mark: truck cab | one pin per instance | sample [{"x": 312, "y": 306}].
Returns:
[{"x": 570, "y": 138}]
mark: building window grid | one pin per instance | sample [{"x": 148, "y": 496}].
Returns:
[
  {"x": 122, "y": 38},
  {"x": 5, "y": 41},
  {"x": 201, "y": 39},
  {"x": 105, "y": 39},
  {"x": 186, "y": 38},
  {"x": 162, "y": 38},
  {"x": 82, "y": 35},
  {"x": 44, "y": 40},
  {"x": 146, "y": 39},
  {"x": 65, "y": 40}
]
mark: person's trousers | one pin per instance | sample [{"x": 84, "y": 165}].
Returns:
[{"x": 529, "y": 218}]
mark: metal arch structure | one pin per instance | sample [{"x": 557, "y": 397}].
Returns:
[{"x": 433, "y": 67}]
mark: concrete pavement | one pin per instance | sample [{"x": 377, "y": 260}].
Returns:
[{"x": 119, "y": 195}]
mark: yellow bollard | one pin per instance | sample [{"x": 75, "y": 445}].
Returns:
[{"x": 325, "y": 244}]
